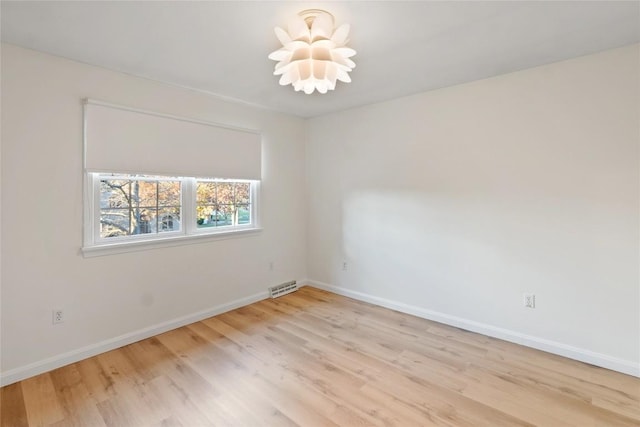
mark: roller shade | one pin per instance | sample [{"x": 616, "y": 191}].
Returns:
[{"x": 122, "y": 140}]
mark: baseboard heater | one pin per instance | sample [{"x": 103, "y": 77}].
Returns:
[{"x": 283, "y": 289}]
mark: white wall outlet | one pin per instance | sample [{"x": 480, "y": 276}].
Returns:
[
  {"x": 530, "y": 300},
  {"x": 270, "y": 265},
  {"x": 345, "y": 266},
  {"x": 58, "y": 316}
]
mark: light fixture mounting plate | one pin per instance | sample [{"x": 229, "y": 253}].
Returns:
[{"x": 310, "y": 14}]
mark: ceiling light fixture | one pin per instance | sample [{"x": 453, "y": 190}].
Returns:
[{"x": 313, "y": 56}]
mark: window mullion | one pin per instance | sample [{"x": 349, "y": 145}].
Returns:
[
  {"x": 189, "y": 205},
  {"x": 95, "y": 211},
  {"x": 157, "y": 207},
  {"x": 254, "y": 203}
]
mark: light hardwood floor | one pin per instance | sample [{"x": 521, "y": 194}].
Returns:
[{"x": 313, "y": 358}]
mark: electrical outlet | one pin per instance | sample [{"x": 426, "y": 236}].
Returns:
[
  {"x": 344, "y": 266},
  {"x": 530, "y": 300},
  {"x": 58, "y": 316},
  {"x": 270, "y": 265}
]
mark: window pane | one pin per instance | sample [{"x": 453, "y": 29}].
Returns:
[
  {"x": 114, "y": 223},
  {"x": 114, "y": 193},
  {"x": 244, "y": 214},
  {"x": 206, "y": 193},
  {"x": 242, "y": 193},
  {"x": 225, "y": 193},
  {"x": 169, "y": 193},
  {"x": 169, "y": 219},
  {"x": 143, "y": 221},
  {"x": 144, "y": 193}
]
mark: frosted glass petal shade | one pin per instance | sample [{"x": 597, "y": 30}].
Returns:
[{"x": 313, "y": 56}]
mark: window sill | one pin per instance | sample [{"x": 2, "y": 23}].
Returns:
[{"x": 142, "y": 245}]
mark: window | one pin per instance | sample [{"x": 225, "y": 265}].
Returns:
[{"x": 130, "y": 209}]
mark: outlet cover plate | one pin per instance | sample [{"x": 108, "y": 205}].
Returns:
[{"x": 530, "y": 300}]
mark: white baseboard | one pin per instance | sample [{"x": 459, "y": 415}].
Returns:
[
  {"x": 583, "y": 355},
  {"x": 27, "y": 371}
]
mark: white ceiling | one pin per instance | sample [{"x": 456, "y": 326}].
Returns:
[{"x": 221, "y": 47}]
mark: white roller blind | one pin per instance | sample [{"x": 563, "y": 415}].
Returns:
[{"x": 123, "y": 140}]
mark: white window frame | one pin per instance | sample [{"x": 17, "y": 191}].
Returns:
[{"x": 94, "y": 245}]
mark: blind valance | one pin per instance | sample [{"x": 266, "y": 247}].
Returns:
[{"x": 123, "y": 140}]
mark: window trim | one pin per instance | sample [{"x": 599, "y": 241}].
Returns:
[{"x": 189, "y": 233}]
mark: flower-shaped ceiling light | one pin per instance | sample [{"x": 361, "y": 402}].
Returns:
[{"x": 313, "y": 56}]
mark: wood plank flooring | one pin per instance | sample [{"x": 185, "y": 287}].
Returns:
[{"x": 313, "y": 358}]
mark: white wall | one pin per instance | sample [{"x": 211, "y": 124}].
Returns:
[
  {"x": 452, "y": 204},
  {"x": 108, "y": 300}
]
